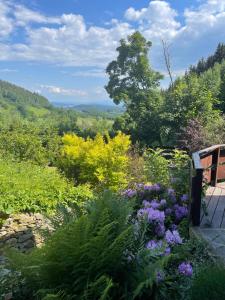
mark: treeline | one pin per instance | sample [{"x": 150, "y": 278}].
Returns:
[
  {"x": 205, "y": 64},
  {"x": 189, "y": 114}
]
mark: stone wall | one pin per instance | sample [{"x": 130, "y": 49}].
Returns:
[{"x": 23, "y": 231}]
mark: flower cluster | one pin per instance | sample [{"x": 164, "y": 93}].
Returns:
[
  {"x": 162, "y": 211},
  {"x": 173, "y": 237},
  {"x": 185, "y": 269}
]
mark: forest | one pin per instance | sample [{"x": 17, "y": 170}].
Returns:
[{"x": 113, "y": 185}]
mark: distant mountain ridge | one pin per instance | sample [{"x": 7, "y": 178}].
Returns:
[{"x": 17, "y": 99}]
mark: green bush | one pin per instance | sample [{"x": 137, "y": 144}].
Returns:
[
  {"x": 28, "y": 187},
  {"x": 169, "y": 169},
  {"x": 100, "y": 255},
  {"x": 209, "y": 284}
]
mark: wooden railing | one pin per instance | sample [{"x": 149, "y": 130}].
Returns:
[{"x": 209, "y": 168}]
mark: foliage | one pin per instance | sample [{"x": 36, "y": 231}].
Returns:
[
  {"x": 67, "y": 262},
  {"x": 205, "y": 64},
  {"x": 192, "y": 137},
  {"x": 27, "y": 142},
  {"x": 136, "y": 166},
  {"x": 190, "y": 98},
  {"x": 27, "y": 187},
  {"x": 168, "y": 168},
  {"x": 133, "y": 83},
  {"x": 96, "y": 161},
  {"x": 136, "y": 260},
  {"x": 209, "y": 284}
]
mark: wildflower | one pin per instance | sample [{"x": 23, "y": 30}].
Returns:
[
  {"x": 185, "y": 269},
  {"x": 184, "y": 198},
  {"x": 173, "y": 237},
  {"x": 167, "y": 251},
  {"x": 172, "y": 195},
  {"x": 173, "y": 227},
  {"x": 154, "y": 204},
  {"x": 147, "y": 187},
  {"x": 156, "y": 215},
  {"x": 170, "y": 191},
  {"x": 146, "y": 203},
  {"x": 152, "y": 245},
  {"x": 163, "y": 202},
  {"x": 181, "y": 212},
  {"x": 159, "y": 276},
  {"x": 140, "y": 185},
  {"x": 168, "y": 211},
  {"x": 130, "y": 193},
  {"x": 156, "y": 187},
  {"x": 143, "y": 212},
  {"x": 160, "y": 230}
]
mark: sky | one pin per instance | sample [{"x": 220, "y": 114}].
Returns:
[{"x": 60, "y": 48}]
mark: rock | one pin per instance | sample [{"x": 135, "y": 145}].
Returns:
[
  {"x": 2, "y": 233},
  {"x": 25, "y": 237},
  {"x": 11, "y": 242},
  {"x": 29, "y": 244},
  {"x": 23, "y": 231}
]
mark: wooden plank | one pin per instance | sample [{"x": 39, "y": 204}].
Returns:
[
  {"x": 219, "y": 211},
  {"x": 222, "y": 225},
  {"x": 207, "y": 199},
  {"x": 207, "y": 220}
]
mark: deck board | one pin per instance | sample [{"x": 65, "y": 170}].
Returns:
[{"x": 215, "y": 207}]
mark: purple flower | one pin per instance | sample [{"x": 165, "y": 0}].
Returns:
[
  {"x": 154, "y": 204},
  {"x": 140, "y": 185},
  {"x": 185, "y": 269},
  {"x": 173, "y": 227},
  {"x": 130, "y": 193},
  {"x": 147, "y": 187},
  {"x": 167, "y": 251},
  {"x": 155, "y": 215},
  {"x": 159, "y": 277},
  {"x": 146, "y": 203},
  {"x": 184, "y": 198},
  {"x": 181, "y": 212},
  {"x": 156, "y": 187},
  {"x": 163, "y": 202},
  {"x": 143, "y": 212},
  {"x": 170, "y": 192},
  {"x": 173, "y": 237},
  {"x": 168, "y": 211},
  {"x": 172, "y": 195},
  {"x": 160, "y": 230},
  {"x": 152, "y": 245}
]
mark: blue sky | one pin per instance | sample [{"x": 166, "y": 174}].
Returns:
[{"x": 60, "y": 48}]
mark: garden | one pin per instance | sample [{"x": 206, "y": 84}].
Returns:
[
  {"x": 114, "y": 193},
  {"x": 114, "y": 237}
]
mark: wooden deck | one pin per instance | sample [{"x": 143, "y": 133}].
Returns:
[
  {"x": 214, "y": 202},
  {"x": 212, "y": 225}
]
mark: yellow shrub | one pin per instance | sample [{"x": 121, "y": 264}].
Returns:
[{"x": 97, "y": 161}]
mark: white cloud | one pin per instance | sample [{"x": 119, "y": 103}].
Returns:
[
  {"x": 158, "y": 20},
  {"x": 62, "y": 91},
  {"x": 24, "y": 16},
  {"x": 67, "y": 39},
  {"x": 6, "y": 22},
  {"x": 6, "y": 70}
]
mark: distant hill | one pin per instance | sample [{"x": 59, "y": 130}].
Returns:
[
  {"x": 99, "y": 110},
  {"x": 16, "y": 99}
]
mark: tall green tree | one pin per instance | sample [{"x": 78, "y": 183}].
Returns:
[{"x": 133, "y": 83}]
